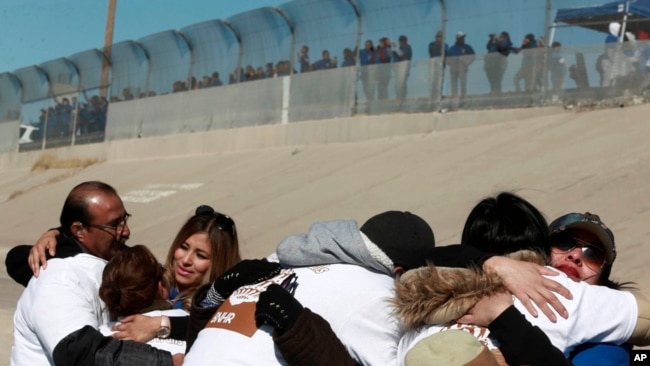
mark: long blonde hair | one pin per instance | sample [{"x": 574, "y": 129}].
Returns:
[{"x": 224, "y": 246}]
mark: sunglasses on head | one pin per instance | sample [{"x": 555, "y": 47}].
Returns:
[
  {"x": 223, "y": 222},
  {"x": 592, "y": 255}
]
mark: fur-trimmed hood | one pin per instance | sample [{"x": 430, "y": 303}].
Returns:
[{"x": 437, "y": 295}]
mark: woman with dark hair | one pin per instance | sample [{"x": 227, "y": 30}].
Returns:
[
  {"x": 583, "y": 247},
  {"x": 504, "y": 224},
  {"x": 132, "y": 283},
  {"x": 501, "y": 224}
]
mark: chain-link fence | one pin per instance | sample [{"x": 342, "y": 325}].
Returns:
[{"x": 316, "y": 59}]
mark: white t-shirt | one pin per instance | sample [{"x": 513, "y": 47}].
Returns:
[
  {"x": 174, "y": 346},
  {"x": 354, "y": 300},
  {"x": 63, "y": 299},
  {"x": 596, "y": 314}
]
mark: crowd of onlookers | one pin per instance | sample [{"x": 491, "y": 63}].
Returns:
[
  {"x": 542, "y": 66},
  {"x": 70, "y": 116}
]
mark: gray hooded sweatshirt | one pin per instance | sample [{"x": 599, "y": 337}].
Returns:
[{"x": 329, "y": 242}]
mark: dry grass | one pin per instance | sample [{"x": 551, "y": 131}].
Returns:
[{"x": 48, "y": 161}]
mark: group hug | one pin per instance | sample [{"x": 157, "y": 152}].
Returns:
[{"x": 516, "y": 290}]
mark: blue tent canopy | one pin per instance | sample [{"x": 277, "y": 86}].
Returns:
[{"x": 598, "y": 17}]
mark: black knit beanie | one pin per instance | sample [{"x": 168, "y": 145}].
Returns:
[{"x": 405, "y": 238}]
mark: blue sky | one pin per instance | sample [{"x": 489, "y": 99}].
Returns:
[{"x": 35, "y": 31}]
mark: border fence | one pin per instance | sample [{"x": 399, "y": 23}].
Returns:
[{"x": 320, "y": 59}]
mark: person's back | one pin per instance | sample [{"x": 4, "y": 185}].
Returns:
[
  {"x": 359, "y": 315},
  {"x": 344, "y": 274},
  {"x": 58, "y": 290}
]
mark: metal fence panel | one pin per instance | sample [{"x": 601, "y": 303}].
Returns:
[
  {"x": 215, "y": 49},
  {"x": 266, "y": 43},
  {"x": 322, "y": 94},
  {"x": 130, "y": 71},
  {"x": 323, "y": 26},
  {"x": 10, "y": 97},
  {"x": 170, "y": 59}
]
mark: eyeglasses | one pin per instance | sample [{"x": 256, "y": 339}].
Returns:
[
  {"x": 222, "y": 222},
  {"x": 592, "y": 255},
  {"x": 118, "y": 228}
]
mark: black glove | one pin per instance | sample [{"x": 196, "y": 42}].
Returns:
[
  {"x": 246, "y": 272},
  {"x": 278, "y": 308}
]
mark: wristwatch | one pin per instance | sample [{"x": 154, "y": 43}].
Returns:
[{"x": 165, "y": 328}]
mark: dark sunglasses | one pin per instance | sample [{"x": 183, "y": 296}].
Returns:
[
  {"x": 592, "y": 254},
  {"x": 223, "y": 222}
]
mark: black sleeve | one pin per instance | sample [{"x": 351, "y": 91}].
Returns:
[
  {"x": 199, "y": 316},
  {"x": 17, "y": 266},
  {"x": 521, "y": 343},
  {"x": 178, "y": 327},
  {"x": 16, "y": 259},
  {"x": 459, "y": 256},
  {"x": 88, "y": 347},
  {"x": 311, "y": 341}
]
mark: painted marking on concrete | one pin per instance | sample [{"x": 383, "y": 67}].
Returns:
[
  {"x": 183, "y": 187},
  {"x": 152, "y": 192}
]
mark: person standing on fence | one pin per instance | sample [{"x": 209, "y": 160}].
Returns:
[
  {"x": 437, "y": 51},
  {"x": 459, "y": 57},
  {"x": 384, "y": 56},
  {"x": 528, "y": 63},
  {"x": 496, "y": 62},
  {"x": 303, "y": 59},
  {"x": 556, "y": 67},
  {"x": 326, "y": 62},
  {"x": 402, "y": 58},
  {"x": 367, "y": 57}
]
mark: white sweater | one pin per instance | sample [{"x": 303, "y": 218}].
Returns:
[
  {"x": 352, "y": 299},
  {"x": 63, "y": 299}
]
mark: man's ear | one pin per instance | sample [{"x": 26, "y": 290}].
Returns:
[{"x": 77, "y": 229}]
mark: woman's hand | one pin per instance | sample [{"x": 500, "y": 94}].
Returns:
[
  {"x": 525, "y": 280},
  {"x": 139, "y": 328},
  {"x": 37, "y": 255},
  {"x": 487, "y": 309}
]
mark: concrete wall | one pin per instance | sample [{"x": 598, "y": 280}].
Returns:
[{"x": 351, "y": 129}]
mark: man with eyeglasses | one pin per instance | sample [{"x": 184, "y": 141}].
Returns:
[
  {"x": 59, "y": 312},
  {"x": 93, "y": 221}
]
